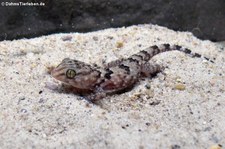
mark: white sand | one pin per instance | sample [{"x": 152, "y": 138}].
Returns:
[{"x": 159, "y": 117}]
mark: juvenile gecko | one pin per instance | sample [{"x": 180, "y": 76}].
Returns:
[{"x": 117, "y": 76}]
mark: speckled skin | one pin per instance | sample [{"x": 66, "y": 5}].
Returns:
[{"x": 116, "y": 76}]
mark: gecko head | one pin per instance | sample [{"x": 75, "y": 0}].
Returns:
[
  {"x": 76, "y": 73},
  {"x": 67, "y": 69}
]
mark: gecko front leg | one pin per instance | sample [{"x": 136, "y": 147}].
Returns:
[{"x": 97, "y": 95}]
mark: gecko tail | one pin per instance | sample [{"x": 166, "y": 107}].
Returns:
[
  {"x": 190, "y": 53},
  {"x": 149, "y": 52}
]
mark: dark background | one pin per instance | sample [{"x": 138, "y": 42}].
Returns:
[{"x": 204, "y": 18}]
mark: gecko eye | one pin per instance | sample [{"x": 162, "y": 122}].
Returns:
[{"x": 70, "y": 73}]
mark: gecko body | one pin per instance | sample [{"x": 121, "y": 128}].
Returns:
[{"x": 117, "y": 76}]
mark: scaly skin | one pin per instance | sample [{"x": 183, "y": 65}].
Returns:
[{"x": 116, "y": 76}]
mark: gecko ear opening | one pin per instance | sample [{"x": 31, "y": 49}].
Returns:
[{"x": 70, "y": 73}]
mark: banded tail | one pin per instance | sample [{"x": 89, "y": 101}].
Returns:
[{"x": 148, "y": 53}]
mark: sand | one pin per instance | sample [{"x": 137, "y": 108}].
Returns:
[{"x": 182, "y": 107}]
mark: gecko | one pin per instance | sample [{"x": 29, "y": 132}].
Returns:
[{"x": 95, "y": 82}]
